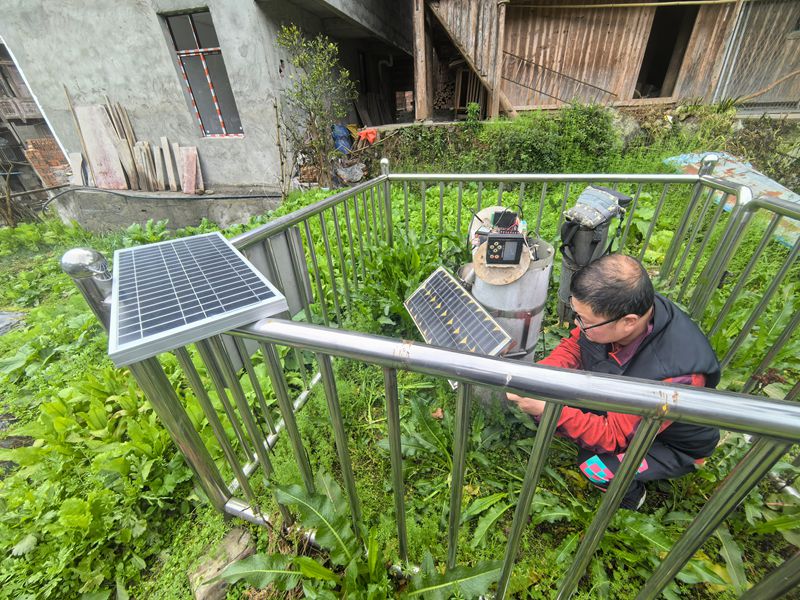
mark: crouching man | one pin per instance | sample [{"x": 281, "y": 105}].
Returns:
[{"x": 624, "y": 328}]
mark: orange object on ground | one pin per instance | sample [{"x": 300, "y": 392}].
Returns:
[{"x": 370, "y": 135}]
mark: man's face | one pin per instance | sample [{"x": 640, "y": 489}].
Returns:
[{"x": 599, "y": 328}]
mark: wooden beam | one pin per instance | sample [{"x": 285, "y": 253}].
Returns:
[
  {"x": 420, "y": 63},
  {"x": 494, "y": 104}
]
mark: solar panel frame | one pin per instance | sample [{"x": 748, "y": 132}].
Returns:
[
  {"x": 494, "y": 333},
  {"x": 191, "y": 289}
]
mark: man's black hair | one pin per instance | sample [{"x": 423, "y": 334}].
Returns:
[{"x": 614, "y": 286}]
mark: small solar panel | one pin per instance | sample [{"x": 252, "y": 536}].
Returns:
[
  {"x": 169, "y": 294},
  {"x": 447, "y": 315}
]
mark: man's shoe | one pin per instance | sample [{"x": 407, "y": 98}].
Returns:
[{"x": 634, "y": 503}]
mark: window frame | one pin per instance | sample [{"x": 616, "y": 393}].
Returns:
[{"x": 201, "y": 52}]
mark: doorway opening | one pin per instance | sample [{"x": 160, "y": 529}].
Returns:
[{"x": 669, "y": 37}]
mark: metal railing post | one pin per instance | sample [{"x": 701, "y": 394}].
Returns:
[
  {"x": 745, "y": 475},
  {"x": 778, "y": 583},
  {"x": 460, "y": 441},
  {"x": 536, "y": 462},
  {"x": 396, "y": 457},
  {"x": 89, "y": 271},
  {"x": 387, "y": 201},
  {"x": 648, "y": 428}
]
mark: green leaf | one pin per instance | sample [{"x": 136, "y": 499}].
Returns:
[
  {"x": 312, "y": 569},
  {"x": 732, "y": 553},
  {"x": 783, "y": 523},
  {"x": 481, "y": 504},
  {"x": 75, "y": 514},
  {"x": 468, "y": 582},
  {"x": 601, "y": 586},
  {"x": 25, "y": 545},
  {"x": 486, "y": 521},
  {"x": 333, "y": 531},
  {"x": 261, "y": 570},
  {"x": 566, "y": 548}
]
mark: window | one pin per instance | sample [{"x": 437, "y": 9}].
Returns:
[{"x": 200, "y": 60}]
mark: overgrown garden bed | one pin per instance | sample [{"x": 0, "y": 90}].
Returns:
[{"x": 101, "y": 504}]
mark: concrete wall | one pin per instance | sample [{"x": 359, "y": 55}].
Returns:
[
  {"x": 388, "y": 19},
  {"x": 104, "y": 211},
  {"x": 120, "y": 49}
]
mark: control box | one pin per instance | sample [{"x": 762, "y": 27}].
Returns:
[{"x": 504, "y": 248}]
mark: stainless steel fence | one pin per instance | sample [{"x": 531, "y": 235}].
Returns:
[{"x": 319, "y": 256}]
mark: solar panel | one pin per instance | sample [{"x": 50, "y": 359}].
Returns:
[
  {"x": 447, "y": 315},
  {"x": 169, "y": 294}
]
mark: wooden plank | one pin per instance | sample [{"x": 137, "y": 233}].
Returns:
[
  {"x": 141, "y": 167},
  {"x": 169, "y": 162},
  {"x": 99, "y": 135},
  {"x": 199, "y": 185},
  {"x": 421, "y": 111},
  {"x": 76, "y": 164},
  {"x": 176, "y": 153},
  {"x": 158, "y": 157},
  {"x": 189, "y": 169},
  {"x": 128, "y": 165}
]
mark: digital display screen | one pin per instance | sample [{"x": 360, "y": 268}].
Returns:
[{"x": 510, "y": 250}]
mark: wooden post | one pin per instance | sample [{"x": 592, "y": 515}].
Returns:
[
  {"x": 497, "y": 71},
  {"x": 421, "y": 111}
]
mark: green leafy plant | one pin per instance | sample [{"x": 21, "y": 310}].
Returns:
[{"x": 319, "y": 94}]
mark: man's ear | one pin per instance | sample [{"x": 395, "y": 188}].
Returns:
[{"x": 630, "y": 320}]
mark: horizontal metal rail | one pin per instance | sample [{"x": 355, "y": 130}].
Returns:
[
  {"x": 699, "y": 406},
  {"x": 544, "y": 177},
  {"x": 283, "y": 223}
]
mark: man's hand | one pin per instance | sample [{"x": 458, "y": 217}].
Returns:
[{"x": 529, "y": 405}]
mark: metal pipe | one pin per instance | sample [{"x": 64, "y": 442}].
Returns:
[
  {"x": 745, "y": 476},
  {"x": 742, "y": 279},
  {"x": 374, "y": 214},
  {"x": 460, "y": 202},
  {"x": 424, "y": 195},
  {"x": 396, "y": 457},
  {"x": 481, "y": 178},
  {"x": 563, "y": 208},
  {"x": 460, "y": 442},
  {"x": 653, "y": 221},
  {"x": 199, "y": 389},
  {"x": 207, "y": 356},
  {"x": 533, "y": 472},
  {"x": 342, "y": 263},
  {"x": 778, "y": 583},
  {"x": 278, "y": 380},
  {"x": 701, "y": 250},
  {"x": 272, "y": 439},
  {"x": 631, "y": 212},
  {"x": 387, "y": 198},
  {"x": 237, "y": 508},
  {"x": 542, "y": 200},
  {"x": 254, "y": 236},
  {"x": 441, "y": 215},
  {"x": 251, "y": 374},
  {"x": 159, "y": 391},
  {"x": 89, "y": 272},
  {"x": 698, "y": 223},
  {"x": 331, "y": 272},
  {"x": 218, "y": 351},
  {"x": 317, "y": 276},
  {"x": 340, "y": 438},
  {"x": 357, "y": 219},
  {"x": 351, "y": 245},
  {"x": 677, "y": 239},
  {"x": 405, "y": 204},
  {"x": 480, "y": 195},
  {"x": 762, "y": 305},
  {"x": 634, "y": 454},
  {"x": 700, "y": 406},
  {"x": 367, "y": 226}
]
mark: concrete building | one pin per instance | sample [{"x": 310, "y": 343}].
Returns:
[{"x": 203, "y": 74}]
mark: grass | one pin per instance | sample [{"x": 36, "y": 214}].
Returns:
[{"x": 61, "y": 347}]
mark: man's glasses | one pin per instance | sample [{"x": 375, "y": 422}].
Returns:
[{"x": 583, "y": 327}]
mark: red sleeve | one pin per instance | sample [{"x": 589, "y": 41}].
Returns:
[
  {"x": 611, "y": 432},
  {"x": 567, "y": 354}
]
